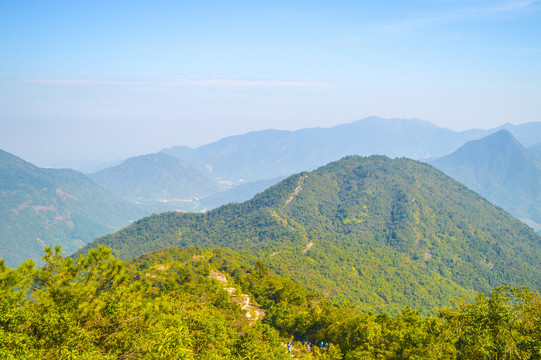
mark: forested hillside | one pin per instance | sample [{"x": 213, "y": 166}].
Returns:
[
  {"x": 196, "y": 303},
  {"x": 377, "y": 232},
  {"x": 44, "y": 207},
  {"x": 156, "y": 178},
  {"x": 502, "y": 170}
]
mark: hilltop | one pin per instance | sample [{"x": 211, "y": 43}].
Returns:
[
  {"x": 378, "y": 232},
  {"x": 156, "y": 178},
  {"x": 501, "y": 169}
]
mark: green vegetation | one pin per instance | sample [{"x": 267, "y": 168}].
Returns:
[
  {"x": 97, "y": 308},
  {"x": 381, "y": 234},
  {"x": 40, "y": 207},
  {"x": 156, "y": 178},
  {"x": 171, "y": 305},
  {"x": 502, "y": 170}
]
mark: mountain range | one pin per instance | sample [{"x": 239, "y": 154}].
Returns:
[
  {"x": 44, "y": 207},
  {"x": 236, "y": 168},
  {"x": 377, "y": 232},
  {"x": 376, "y": 243},
  {"x": 157, "y": 178},
  {"x": 272, "y": 153},
  {"x": 501, "y": 169},
  {"x": 268, "y": 154}
]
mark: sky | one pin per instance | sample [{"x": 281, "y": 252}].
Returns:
[{"x": 92, "y": 81}]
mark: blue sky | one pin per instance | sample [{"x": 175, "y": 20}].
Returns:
[{"x": 109, "y": 79}]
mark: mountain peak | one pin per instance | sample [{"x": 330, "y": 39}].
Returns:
[
  {"x": 356, "y": 225},
  {"x": 155, "y": 177},
  {"x": 501, "y": 169},
  {"x": 500, "y": 136},
  {"x": 494, "y": 146},
  {"x": 152, "y": 160},
  {"x": 8, "y": 159}
]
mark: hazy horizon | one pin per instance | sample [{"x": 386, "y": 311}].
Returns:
[{"x": 108, "y": 80}]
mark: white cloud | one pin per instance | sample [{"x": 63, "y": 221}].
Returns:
[
  {"x": 508, "y": 6},
  {"x": 511, "y": 8},
  {"x": 174, "y": 82}
]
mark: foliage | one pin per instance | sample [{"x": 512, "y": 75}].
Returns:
[
  {"x": 499, "y": 168},
  {"x": 506, "y": 325},
  {"x": 41, "y": 207},
  {"x": 164, "y": 305},
  {"x": 379, "y": 233},
  {"x": 155, "y": 177},
  {"x": 96, "y": 307}
]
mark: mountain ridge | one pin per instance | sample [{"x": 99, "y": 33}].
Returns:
[
  {"x": 41, "y": 207},
  {"x": 257, "y": 156},
  {"x": 155, "y": 177},
  {"x": 383, "y": 233},
  {"x": 501, "y": 169}
]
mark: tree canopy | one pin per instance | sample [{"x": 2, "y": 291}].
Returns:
[{"x": 170, "y": 304}]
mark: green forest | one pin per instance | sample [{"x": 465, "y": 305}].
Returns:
[
  {"x": 41, "y": 206},
  {"x": 365, "y": 258},
  {"x": 180, "y": 304},
  {"x": 376, "y": 232}
]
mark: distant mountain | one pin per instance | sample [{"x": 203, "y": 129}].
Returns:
[
  {"x": 527, "y": 134},
  {"x": 535, "y": 150},
  {"x": 41, "y": 207},
  {"x": 238, "y": 193},
  {"x": 501, "y": 169},
  {"x": 272, "y": 153},
  {"x": 156, "y": 178},
  {"x": 378, "y": 232}
]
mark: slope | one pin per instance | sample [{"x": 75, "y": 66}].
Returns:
[
  {"x": 200, "y": 303},
  {"x": 499, "y": 168},
  {"x": 41, "y": 207},
  {"x": 155, "y": 177},
  {"x": 378, "y": 232},
  {"x": 535, "y": 150},
  {"x": 269, "y": 154},
  {"x": 527, "y": 134},
  {"x": 238, "y": 193}
]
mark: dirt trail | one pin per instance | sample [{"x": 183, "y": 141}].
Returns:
[
  {"x": 298, "y": 189},
  {"x": 308, "y": 246},
  {"x": 253, "y": 311}
]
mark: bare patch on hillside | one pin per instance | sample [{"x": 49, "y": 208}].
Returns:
[
  {"x": 162, "y": 267},
  {"x": 24, "y": 205},
  {"x": 218, "y": 276},
  {"x": 282, "y": 220},
  {"x": 43, "y": 208},
  {"x": 298, "y": 189},
  {"x": 40, "y": 241},
  {"x": 64, "y": 195},
  {"x": 308, "y": 247},
  {"x": 253, "y": 311}
]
